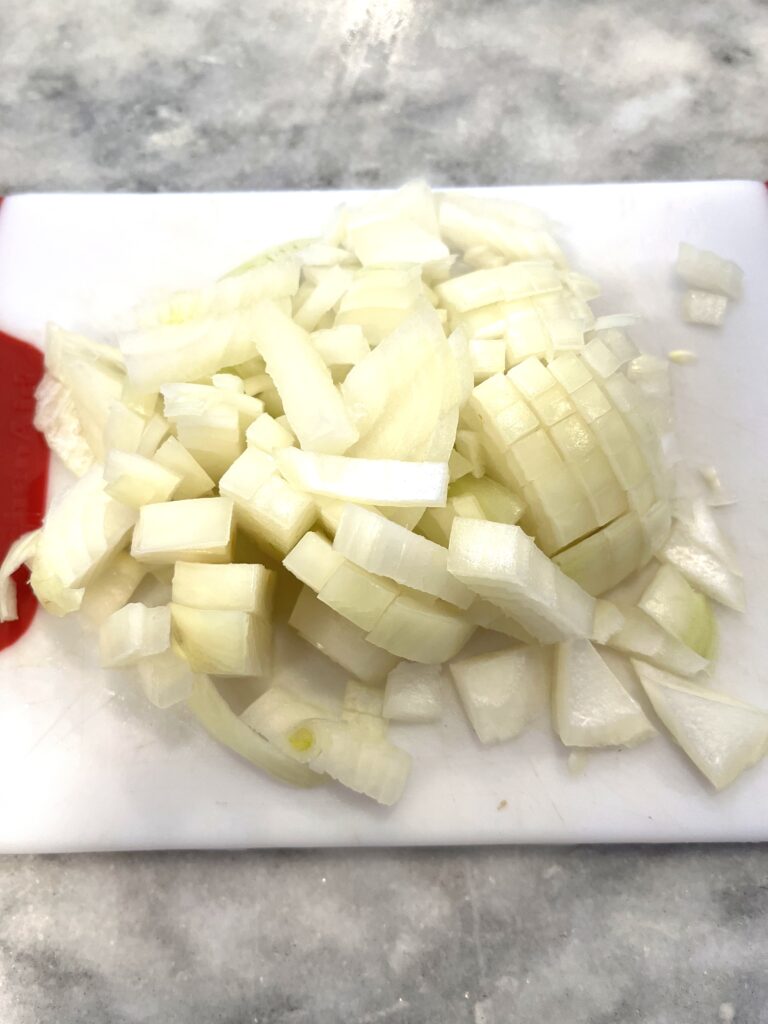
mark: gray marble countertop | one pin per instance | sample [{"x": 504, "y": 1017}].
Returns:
[{"x": 191, "y": 94}]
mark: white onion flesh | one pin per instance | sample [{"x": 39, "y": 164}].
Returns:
[
  {"x": 276, "y": 714},
  {"x": 367, "y": 481},
  {"x": 276, "y": 514},
  {"x": 706, "y": 308},
  {"x": 643, "y": 638},
  {"x": 721, "y": 735},
  {"x": 590, "y": 707},
  {"x": 20, "y": 552},
  {"x": 414, "y": 693},
  {"x": 314, "y": 407},
  {"x": 377, "y": 769},
  {"x": 57, "y": 419},
  {"x": 675, "y": 606},
  {"x": 499, "y": 562},
  {"x": 382, "y": 547},
  {"x": 215, "y": 715},
  {"x": 232, "y": 587},
  {"x": 420, "y": 631},
  {"x": 313, "y": 561},
  {"x": 362, "y": 708},
  {"x": 339, "y": 640},
  {"x": 111, "y": 588},
  {"x": 195, "y": 530},
  {"x": 502, "y": 693},
  {"x": 135, "y": 480},
  {"x": 222, "y": 643},
  {"x": 194, "y": 482},
  {"x": 134, "y": 632},
  {"x": 166, "y": 678},
  {"x": 427, "y": 384},
  {"x": 82, "y": 529},
  {"x": 700, "y": 268}
]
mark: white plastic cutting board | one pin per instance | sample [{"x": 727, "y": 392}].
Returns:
[{"x": 84, "y": 767}]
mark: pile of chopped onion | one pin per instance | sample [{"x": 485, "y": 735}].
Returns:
[{"x": 415, "y": 431}]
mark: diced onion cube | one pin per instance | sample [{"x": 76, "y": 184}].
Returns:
[
  {"x": 240, "y": 587},
  {"x": 414, "y": 693},
  {"x": 704, "y": 308},
  {"x": 134, "y": 632},
  {"x": 222, "y": 643},
  {"x": 700, "y": 268},
  {"x": 339, "y": 640},
  {"x": 135, "y": 480}
]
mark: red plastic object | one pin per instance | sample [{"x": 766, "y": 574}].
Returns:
[{"x": 23, "y": 466}]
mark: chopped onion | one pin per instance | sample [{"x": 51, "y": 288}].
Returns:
[
  {"x": 230, "y": 294},
  {"x": 362, "y": 708},
  {"x": 21, "y": 551},
  {"x": 228, "y": 382},
  {"x": 194, "y": 482},
  {"x": 82, "y": 529},
  {"x": 166, "y": 678},
  {"x": 313, "y": 561},
  {"x": 503, "y": 692},
  {"x": 189, "y": 351},
  {"x": 342, "y": 346},
  {"x": 704, "y": 308},
  {"x": 232, "y": 587},
  {"x": 367, "y": 481},
  {"x": 111, "y": 588},
  {"x": 323, "y": 298},
  {"x": 414, "y": 693},
  {"x": 56, "y": 417},
  {"x": 314, "y": 408},
  {"x": 276, "y": 714},
  {"x": 134, "y": 632},
  {"x": 135, "y": 480},
  {"x": 215, "y": 715},
  {"x": 377, "y": 769},
  {"x": 222, "y": 643},
  {"x": 672, "y": 603},
  {"x": 382, "y": 547},
  {"x": 591, "y": 708},
  {"x": 357, "y": 595},
  {"x": 395, "y": 241},
  {"x": 499, "y": 284},
  {"x": 268, "y": 435},
  {"x": 608, "y": 621},
  {"x": 643, "y": 638},
  {"x": 487, "y": 356},
  {"x": 499, "y": 562},
  {"x": 273, "y": 511},
  {"x": 339, "y": 640},
  {"x": 700, "y": 268},
  {"x": 420, "y": 631},
  {"x": 195, "y": 530},
  {"x": 703, "y": 568},
  {"x": 93, "y": 375},
  {"x": 721, "y": 735}
]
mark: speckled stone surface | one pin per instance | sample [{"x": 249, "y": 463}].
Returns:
[{"x": 191, "y": 94}]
